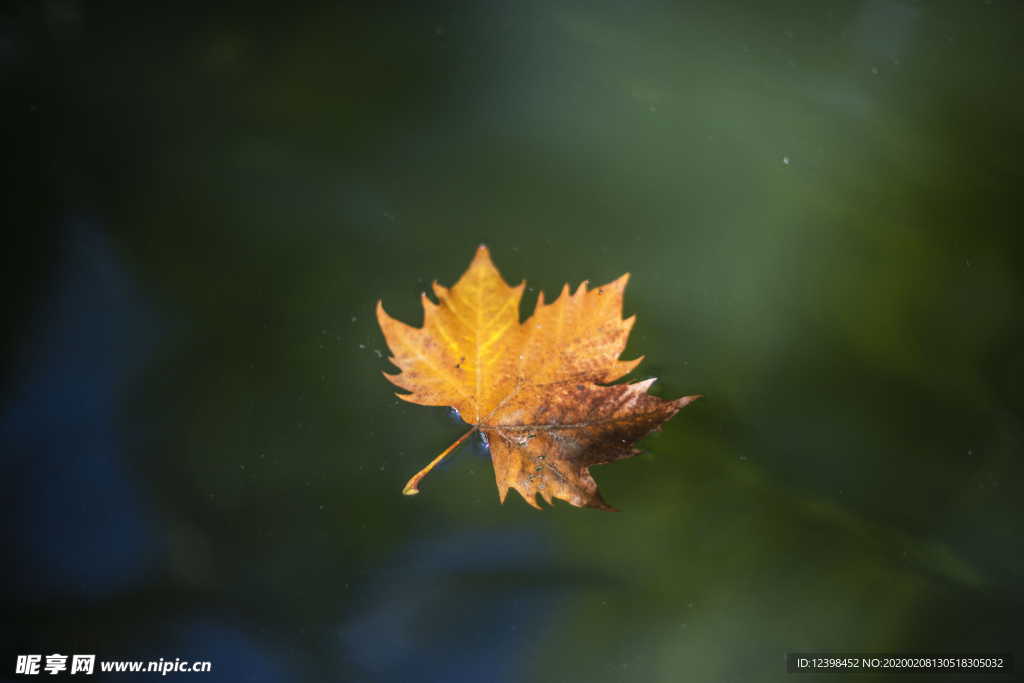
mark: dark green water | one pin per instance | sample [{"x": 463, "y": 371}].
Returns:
[{"x": 819, "y": 204}]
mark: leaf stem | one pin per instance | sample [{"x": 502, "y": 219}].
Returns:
[{"x": 412, "y": 486}]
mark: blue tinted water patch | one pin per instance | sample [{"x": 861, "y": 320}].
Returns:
[
  {"x": 233, "y": 654},
  {"x": 482, "y": 446},
  {"x": 463, "y": 608},
  {"x": 79, "y": 525}
]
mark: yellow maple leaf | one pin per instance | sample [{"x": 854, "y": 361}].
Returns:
[{"x": 537, "y": 391}]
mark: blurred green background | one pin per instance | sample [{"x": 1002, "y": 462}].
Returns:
[{"x": 819, "y": 204}]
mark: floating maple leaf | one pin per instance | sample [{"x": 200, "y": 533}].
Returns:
[{"x": 538, "y": 391}]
